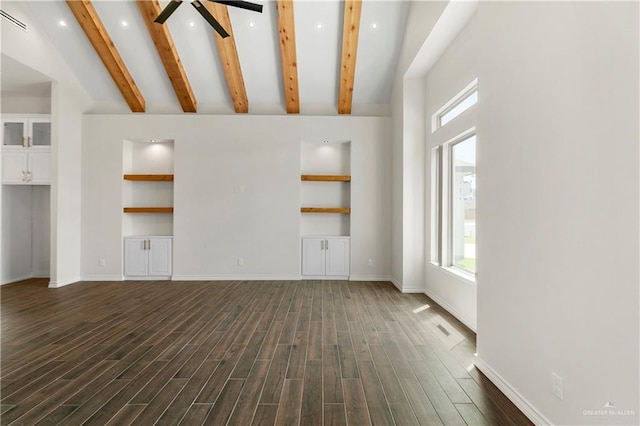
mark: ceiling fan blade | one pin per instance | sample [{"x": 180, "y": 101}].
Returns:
[
  {"x": 241, "y": 4},
  {"x": 209, "y": 18},
  {"x": 164, "y": 15}
]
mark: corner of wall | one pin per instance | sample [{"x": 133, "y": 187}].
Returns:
[{"x": 513, "y": 395}]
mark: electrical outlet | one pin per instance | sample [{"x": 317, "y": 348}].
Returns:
[
  {"x": 102, "y": 263},
  {"x": 240, "y": 261},
  {"x": 557, "y": 385},
  {"x": 370, "y": 262}
]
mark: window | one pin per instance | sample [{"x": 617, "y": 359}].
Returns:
[
  {"x": 436, "y": 158},
  {"x": 456, "y": 106},
  {"x": 453, "y": 205},
  {"x": 462, "y": 177}
]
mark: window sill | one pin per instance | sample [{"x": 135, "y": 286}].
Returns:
[{"x": 458, "y": 273}]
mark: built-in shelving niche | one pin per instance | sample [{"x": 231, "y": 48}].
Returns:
[
  {"x": 325, "y": 194},
  {"x": 147, "y": 187}
]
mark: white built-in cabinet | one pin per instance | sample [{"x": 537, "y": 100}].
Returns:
[
  {"x": 325, "y": 197},
  {"x": 148, "y": 257},
  {"x": 26, "y": 168},
  {"x": 26, "y": 150},
  {"x": 325, "y": 257},
  {"x": 147, "y": 209}
]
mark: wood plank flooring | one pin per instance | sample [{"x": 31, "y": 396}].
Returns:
[{"x": 239, "y": 353}]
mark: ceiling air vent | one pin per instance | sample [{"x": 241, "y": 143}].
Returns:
[{"x": 18, "y": 23}]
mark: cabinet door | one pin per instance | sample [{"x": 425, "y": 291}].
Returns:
[
  {"x": 14, "y": 132},
  {"x": 14, "y": 167},
  {"x": 337, "y": 256},
  {"x": 160, "y": 256},
  {"x": 136, "y": 257},
  {"x": 39, "y": 132},
  {"x": 313, "y": 256},
  {"x": 39, "y": 168}
]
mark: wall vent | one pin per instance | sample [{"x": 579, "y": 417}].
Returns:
[{"x": 18, "y": 23}]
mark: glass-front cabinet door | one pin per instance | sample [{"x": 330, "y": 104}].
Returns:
[
  {"x": 26, "y": 132},
  {"x": 40, "y": 132},
  {"x": 14, "y": 132}
]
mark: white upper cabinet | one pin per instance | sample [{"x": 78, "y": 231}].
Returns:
[
  {"x": 26, "y": 132},
  {"x": 26, "y": 146}
]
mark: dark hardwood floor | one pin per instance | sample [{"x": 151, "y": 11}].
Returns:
[{"x": 241, "y": 353}]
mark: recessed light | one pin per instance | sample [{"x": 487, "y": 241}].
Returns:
[
  {"x": 62, "y": 24},
  {"x": 252, "y": 24},
  {"x": 191, "y": 24},
  {"x": 153, "y": 141},
  {"x": 319, "y": 26},
  {"x": 326, "y": 142},
  {"x": 374, "y": 25},
  {"x": 124, "y": 24}
]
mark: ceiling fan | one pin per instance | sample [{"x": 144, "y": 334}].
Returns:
[{"x": 173, "y": 5}]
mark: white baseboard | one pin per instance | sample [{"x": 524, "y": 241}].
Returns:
[
  {"x": 58, "y": 284},
  {"x": 102, "y": 278},
  {"x": 397, "y": 283},
  {"x": 369, "y": 278},
  {"x": 471, "y": 325},
  {"x": 147, "y": 278},
  {"x": 514, "y": 396},
  {"x": 324, "y": 277},
  {"x": 235, "y": 278},
  {"x": 405, "y": 289},
  {"x": 13, "y": 280}
]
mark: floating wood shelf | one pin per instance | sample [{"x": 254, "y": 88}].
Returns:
[
  {"x": 148, "y": 209},
  {"x": 326, "y": 178},
  {"x": 344, "y": 210},
  {"x": 149, "y": 177}
]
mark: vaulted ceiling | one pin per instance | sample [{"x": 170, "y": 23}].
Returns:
[{"x": 307, "y": 57}]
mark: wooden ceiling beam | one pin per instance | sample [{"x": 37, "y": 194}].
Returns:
[
  {"x": 95, "y": 31},
  {"x": 229, "y": 58},
  {"x": 163, "y": 41},
  {"x": 350, "y": 31},
  {"x": 287, "y": 32}
]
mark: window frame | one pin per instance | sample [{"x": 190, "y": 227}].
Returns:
[
  {"x": 436, "y": 205},
  {"x": 464, "y": 94},
  {"x": 442, "y": 204}
]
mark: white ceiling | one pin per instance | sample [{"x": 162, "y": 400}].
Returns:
[{"x": 318, "y": 55}]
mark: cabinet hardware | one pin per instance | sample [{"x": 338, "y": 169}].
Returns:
[
  {"x": 322, "y": 245},
  {"x": 29, "y": 141},
  {"x": 24, "y": 142},
  {"x": 23, "y": 175},
  {"x": 326, "y": 244},
  {"x": 144, "y": 244},
  {"x": 28, "y": 176},
  {"x": 148, "y": 244}
]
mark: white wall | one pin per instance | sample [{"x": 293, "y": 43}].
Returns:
[
  {"x": 214, "y": 225},
  {"x": 16, "y": 233},
  {"x": 455, "y": 69},
  {"x": 66, "y": 183},
  {"x": 12, "y": 104},
  {"x": 408, "y": 174},
  {"x": 25, "y": 232},
  {"x": 558, "y": 186},
  {"x": 40, "y": 230}
]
